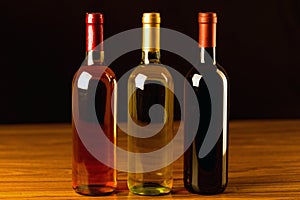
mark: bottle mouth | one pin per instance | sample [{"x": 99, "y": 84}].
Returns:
[
  {"x": 94, "y": 18},
  {"x": 207, "y": 17},
  {"x": 151, "y": 18}
]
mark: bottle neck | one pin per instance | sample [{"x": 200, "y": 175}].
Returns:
[
  {"x": 94, "y": 44},
  {"x": 151, "y": 44},
  {"x": 150, "y": 57},
  {"x": 94, "y": 58},
  {"x": 208, "y": 55}
]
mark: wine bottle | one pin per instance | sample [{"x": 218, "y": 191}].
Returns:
[
  {"x": 206, "y": 175},
  {"x": 150, "y": 84},
  {"x": 94, "y": 91}
]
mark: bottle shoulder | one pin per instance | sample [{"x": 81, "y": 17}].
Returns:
[
  {"x": 100, "y": 71},
  {"x": 220, "y": 71},
  {"x": 152, "y": 72}
]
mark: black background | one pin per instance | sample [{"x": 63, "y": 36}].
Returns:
[{"x": 43, "y": 44}]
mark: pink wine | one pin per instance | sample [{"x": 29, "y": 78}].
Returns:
[{"x": 89, "y": 175}]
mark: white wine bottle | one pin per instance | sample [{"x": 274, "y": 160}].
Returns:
[{"x": 149, "y": 85}]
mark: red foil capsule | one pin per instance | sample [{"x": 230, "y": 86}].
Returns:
[
  {"x": 94, "y": 31},
  {"x": 207, "y": 29}
]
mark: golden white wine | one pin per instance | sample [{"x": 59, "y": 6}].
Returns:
[{"x": 151, "y": 99}]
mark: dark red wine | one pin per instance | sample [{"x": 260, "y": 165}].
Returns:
[{"x": 207, "y": 175}]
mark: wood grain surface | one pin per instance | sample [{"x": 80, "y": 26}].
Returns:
[{"x": 264, "y": 163}]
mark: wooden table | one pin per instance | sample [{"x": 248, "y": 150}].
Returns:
[{"x": 264, "y": 163}]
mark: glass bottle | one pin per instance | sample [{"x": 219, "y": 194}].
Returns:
[
  {"x": 150, "y": 84},
  {"x": 207, "y": 175},
  {"x": 94, "y": 91}
]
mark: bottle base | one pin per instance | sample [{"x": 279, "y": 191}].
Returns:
[
  {"x": 150, "y": 189},
  {"x": 94, "y": 190},
  {"x": 205, "y": 191}
]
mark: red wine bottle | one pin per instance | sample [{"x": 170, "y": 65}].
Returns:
[
  {"x": 208, "y": 174},
  {"x": 94, "y": 91}
]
